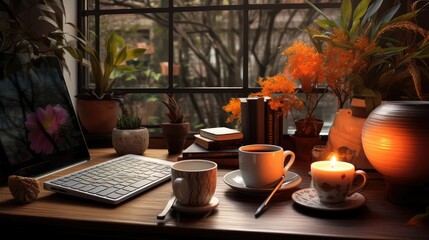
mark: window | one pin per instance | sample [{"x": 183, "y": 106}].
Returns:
[{"x": 204, "y": 52}]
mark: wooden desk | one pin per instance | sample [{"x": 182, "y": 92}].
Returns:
[{"x": 52, "y": 214}]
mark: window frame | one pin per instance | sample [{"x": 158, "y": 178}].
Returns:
[{"x": 245, "y": 7}]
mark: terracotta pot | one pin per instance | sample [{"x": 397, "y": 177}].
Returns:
[
  {"x": 98, "y": 117},
  {"x": 134, "y": 141},
  {"x": 395, "y": 139},
  {"x": 175, "y": 136},
  {"x": 308, "y": 128},
  {"x": 302, "y": 146}
]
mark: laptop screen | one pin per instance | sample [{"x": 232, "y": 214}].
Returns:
[{"x": 39, "y": 129}]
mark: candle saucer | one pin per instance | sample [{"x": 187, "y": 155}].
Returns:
[{"x": 308, "y": 198}]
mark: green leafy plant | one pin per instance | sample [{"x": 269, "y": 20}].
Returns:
[
  {"x": 390, "y": 48},
  {"x": 118, "y": 53},
  {"x": 126, "y": 121},
  {"x": 174, "y": 113},
  {"x": 24, "y": 38}
]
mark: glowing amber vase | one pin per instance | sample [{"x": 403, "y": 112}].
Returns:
[{"x": 395, "y": 138}]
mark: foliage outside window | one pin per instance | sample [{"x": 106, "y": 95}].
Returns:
[{"x": 204, "y": 52}]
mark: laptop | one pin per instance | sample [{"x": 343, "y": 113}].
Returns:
[{"x": 40, "y": 134}]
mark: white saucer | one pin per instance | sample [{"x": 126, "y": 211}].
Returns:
[
  {"x": 308, "y": 197},
  {"x": 235, "y": 181},
  {"x": 196, "y": 210}
]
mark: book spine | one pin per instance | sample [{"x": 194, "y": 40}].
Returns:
[
  {"x": 216, "y": 145},
  {"x": 245, "y": 120},
  {"x": 269, "y": 124},
  {"x": 278, "y": 128},
  {"x": 208, "y": 135},
  {"x": 256, "y": 120}
]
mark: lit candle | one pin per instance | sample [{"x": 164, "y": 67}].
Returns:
[{"x": 332, "y": 179}]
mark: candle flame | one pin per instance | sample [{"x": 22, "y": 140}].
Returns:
[{"x": 333, "y": 161}]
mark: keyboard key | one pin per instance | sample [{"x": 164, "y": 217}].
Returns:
[
  {"x": 141, "y": 183},
  {"x": 114, "y": 196},
  {"x": 97, "y": 189},
  {"x": 107, "y": 191}
]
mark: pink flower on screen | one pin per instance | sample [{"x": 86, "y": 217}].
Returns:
[{"x": 45, "y": 128}]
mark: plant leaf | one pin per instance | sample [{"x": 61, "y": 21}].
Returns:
[
  {"x": 345, "y": 14},
  {"x": 317, "y": 9},
  {"x": 385, "y": 19},
  {"x": 357, "y": 15},
  {"x": 326, "y": 23},
  {"x": 45, "y": 8},
  {"x": 135, "y": 53},
  {"x": 371, "y": 11},
  {"x": 423, "y": 53},
  {"x": 48, "y": 20}
]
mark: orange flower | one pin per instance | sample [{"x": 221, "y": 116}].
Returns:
[
  {"x": 282, "y": 92},
  {"x": 304, "y": 63},
  {"x": 234, "y": 107},
  {"x": 339, "y": 35},
  {"x": 339, "y": 63}
]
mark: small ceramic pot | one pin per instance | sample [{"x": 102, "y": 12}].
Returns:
[{"x": 134, "y": 141}]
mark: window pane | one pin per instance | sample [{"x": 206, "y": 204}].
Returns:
[
  {"x": 142, "y": 31},
  {"x": 183, "y": 3},
  {"x": 270, "y": 32},
  {"x": 108, "y": 4},
  {"x": 208, "y": 48},
  {"x": 90, "y": 4},
  {"x": 201, "y": 110}
]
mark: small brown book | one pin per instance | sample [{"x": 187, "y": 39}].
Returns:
[
  {"x": 216, "y": 145},
  {"x": 221, "y": 133}
]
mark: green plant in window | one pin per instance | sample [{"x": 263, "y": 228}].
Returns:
[
  {"x": 390, "y": 48},
  {"x": 30, "y": 30},
  {"x": 102, "y": 72}
]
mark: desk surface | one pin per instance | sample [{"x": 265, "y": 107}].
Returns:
[{"x": 234, "y": 218}]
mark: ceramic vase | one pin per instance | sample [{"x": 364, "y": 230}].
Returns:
[
  {"x": 134, "y": 141},
  {"x": 395, "y": 139},
  {"x": 175, "y": 135},
  {"x": 344, "y": 139}
]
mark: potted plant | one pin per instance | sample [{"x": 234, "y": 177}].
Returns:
[
  {"x": 129, "y": 136},
  {"x": 98, "y": 108},
  {"x": 176, "y": 130},
  {"x": 304, "y": 65},
  {"x": 388, "y": 51},
  {"x": 381, "y": 58}
]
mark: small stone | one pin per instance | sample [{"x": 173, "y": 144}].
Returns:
[{"x": 23, "y": 189}]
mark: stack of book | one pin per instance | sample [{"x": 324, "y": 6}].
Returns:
[
  {"x": 219, "y": 144},
  {"x": 219, "y": 138},
  {"x": 259, "y": 123}
]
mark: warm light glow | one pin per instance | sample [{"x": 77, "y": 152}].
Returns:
[{"x": 333, "y": 161}]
